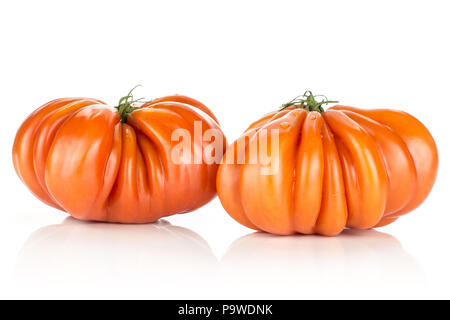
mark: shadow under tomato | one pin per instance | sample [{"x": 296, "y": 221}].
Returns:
[
  {"x": 358, "y": 259},
  {"x": 113, "y": 254}
]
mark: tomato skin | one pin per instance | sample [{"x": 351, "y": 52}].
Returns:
[
  {"x": 345, "y": 167},
  {"x": 76, "y": 155}
]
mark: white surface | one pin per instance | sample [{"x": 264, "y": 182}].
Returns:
[{"x": 242, "y": 59}]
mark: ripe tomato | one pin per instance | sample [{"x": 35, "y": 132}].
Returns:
[
  {"x": 344, "y": 167},
  {"x": 90, "y": 160}
]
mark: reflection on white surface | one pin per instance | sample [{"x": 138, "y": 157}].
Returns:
[
  {"x": 358, "y": 259},
  {"x": 89, "y": 253},
  {"x": 166, "y": 261}
]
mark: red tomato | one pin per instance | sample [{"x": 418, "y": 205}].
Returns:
[
  {"x": 90, "y": 160},
  {"x": 344, "y": 167}
]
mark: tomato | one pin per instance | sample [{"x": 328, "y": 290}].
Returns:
[
  {"x": 344, "y": 167},
  {"x": 115, "y": 164}
]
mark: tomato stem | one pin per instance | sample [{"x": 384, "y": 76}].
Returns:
[
  {"x": 308, "y": 102},
  {"x": 125, "y": 106}
]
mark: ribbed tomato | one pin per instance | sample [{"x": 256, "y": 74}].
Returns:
[
  {"x": 90, "y": 160},
  {"x": 344, "y": 167}
]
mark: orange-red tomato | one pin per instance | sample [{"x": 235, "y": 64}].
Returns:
[
  {"x": 83, "y": 157},
  {"x": 344, "y": 167}
]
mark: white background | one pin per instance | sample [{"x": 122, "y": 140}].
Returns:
[{"x": 242, "y": 59}]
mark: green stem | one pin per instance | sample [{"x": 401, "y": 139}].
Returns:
[
  {"x": 308, "y": 102},
  {"x": 125, "y": 106}
]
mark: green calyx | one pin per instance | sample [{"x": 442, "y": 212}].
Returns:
[
  {"x": 308, "y": 102},
  {"x": 125, "y": 106}
]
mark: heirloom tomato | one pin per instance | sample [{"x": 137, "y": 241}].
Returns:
[
  {"x": 327, "y": 170},
  {"x": 115, "y": 164}
]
